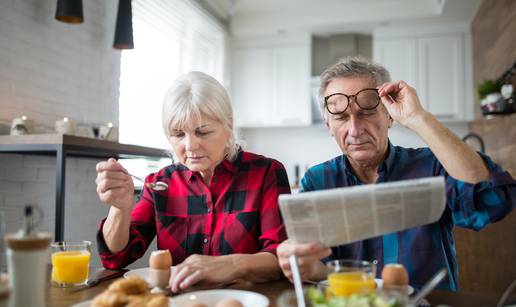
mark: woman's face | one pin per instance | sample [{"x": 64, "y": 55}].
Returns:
[{"x": 200, "y": 145}]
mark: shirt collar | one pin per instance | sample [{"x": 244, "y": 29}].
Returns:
[{"x": 389, "y": 160}]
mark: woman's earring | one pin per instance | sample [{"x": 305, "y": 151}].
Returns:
[{"x": 169, "y": 154}]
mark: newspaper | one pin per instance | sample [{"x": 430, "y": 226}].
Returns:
[{"x": 345, "y": 215}]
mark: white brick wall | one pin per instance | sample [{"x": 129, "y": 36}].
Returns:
[
  {"x": 28, "y": 179},
  {"x": 48, "y": 70}
]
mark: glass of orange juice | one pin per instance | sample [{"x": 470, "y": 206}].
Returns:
[
  {"x": 70, "y": 263},
  {"x": 347, "y": 277}
]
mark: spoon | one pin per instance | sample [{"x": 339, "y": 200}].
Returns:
[
  {"x": 156, "y": 186},
  {"x": 427, "y": 288}
]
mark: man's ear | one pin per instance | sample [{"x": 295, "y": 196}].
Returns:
[
  {"x": 391, "y": 121},
  {"x": 328, "y": 126}
]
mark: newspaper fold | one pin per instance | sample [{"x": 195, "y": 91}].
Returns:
[{"x": 344, "y": 215}]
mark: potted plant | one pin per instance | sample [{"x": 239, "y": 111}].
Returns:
[{"x": 489, "y": 93}]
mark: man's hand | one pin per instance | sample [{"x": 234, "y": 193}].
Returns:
[
  {"x": 309, "y": 257},
  {"x": 402, "y": 103},
  {"x": 210, "y": 271}
]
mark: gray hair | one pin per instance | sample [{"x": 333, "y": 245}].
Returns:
[
  {"x": 352, "y": 67},
  {"x": 195, "y": 94}
]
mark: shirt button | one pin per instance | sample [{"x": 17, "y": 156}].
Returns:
[
  {"x": 209, "y": 210},
  {"x": 205, "y": 240}
]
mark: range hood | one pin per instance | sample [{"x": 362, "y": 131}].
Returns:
[{"x": 328, "y": 49}]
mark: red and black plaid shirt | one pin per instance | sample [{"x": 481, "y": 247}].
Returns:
[{"x": 238, "y": 213}]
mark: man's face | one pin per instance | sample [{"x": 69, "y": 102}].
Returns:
[{"x": 360, "y": 134}]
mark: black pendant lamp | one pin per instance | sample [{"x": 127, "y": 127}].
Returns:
[
  {"x": 124, "y": 26},
  {"x": 69, "y": 11}
]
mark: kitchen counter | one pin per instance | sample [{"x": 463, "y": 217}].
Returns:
[{"x": 62, "y": 146}]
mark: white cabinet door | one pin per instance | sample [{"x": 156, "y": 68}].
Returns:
[
  {"x": 291, "y": 85},
  {"x": 271, "y": 86},
  {"x": 250, "y": 84},
  {"x": 399, "y": 56},
  {"x": 441, "y": 74},
  {"x": 435, "y": 64}
]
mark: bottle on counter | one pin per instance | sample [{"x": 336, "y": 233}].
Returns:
[
  {"x": 295, "y": 186},
  {"x": 27, "y": 258}
]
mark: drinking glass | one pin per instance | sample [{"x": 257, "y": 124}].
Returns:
[
  {"x": 347, "y": 277},
  {"x": 70, "y": 263}
]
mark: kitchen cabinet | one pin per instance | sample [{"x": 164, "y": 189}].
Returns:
[
  {"x": 436, "y": 61},
  {"x": 441, "y": 74},
  {"x": 399, "y": 57},
  {"x": 271, "y": 82}
]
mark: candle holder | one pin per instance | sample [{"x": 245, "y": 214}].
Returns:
[
  {"x": 21, "y": 125},
  {"x": 108, "y": 132},
  {"x": 65, "y": 126}
]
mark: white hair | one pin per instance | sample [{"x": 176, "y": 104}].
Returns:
[
  {"x": 195, "y": 94},
  {"x": 352, "y": 67}
]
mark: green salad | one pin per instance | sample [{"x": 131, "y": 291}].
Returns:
[{"x": 317, "y": 299}]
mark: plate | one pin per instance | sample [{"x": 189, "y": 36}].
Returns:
[
  {"x": 88, "y": 303},
  {"x": 379, "y": 284},
  {"x": 211, "y": 297},
  {"x": 143, "y": 273}
]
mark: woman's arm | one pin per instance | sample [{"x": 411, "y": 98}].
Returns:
[
  {"x": 115, "y": 188},
  {"x": 212, "y": 271},
  {"x": 260, "y": 267},
  {"x": 125, "y": 234},
  {"x": 116, "y": 229}
]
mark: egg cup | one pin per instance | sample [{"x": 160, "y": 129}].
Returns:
[{"x": 159, "y": 280}]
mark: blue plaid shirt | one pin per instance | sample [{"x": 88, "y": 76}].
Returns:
[{"x": 422, "y": 250}]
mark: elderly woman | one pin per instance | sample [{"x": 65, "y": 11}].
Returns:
[{"x": 219, "y": 217}]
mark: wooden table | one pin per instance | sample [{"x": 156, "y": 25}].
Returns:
[
  {"x": 60, "y": 297},
  {"x": 61, "y": 146}
]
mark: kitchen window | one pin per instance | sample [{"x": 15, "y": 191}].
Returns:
[{"x": 171, "y": 38}]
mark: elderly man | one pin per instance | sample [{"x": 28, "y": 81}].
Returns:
[{"x": 360, "y": 105}]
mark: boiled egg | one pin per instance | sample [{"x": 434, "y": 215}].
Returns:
[
  {"x": 160, "y": 260},
  {"x": 229, "y": 302},
  {"x": 394, "y": 274}
]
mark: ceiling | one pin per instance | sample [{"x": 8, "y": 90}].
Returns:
[{"x": 258, "y": 17}]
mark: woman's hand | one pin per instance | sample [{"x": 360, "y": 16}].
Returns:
[
  {"x": 114, "y": 186},
  {"x": 209, "y": 271},
  {"x": 402, "y": 103},
  {"x": 309, "y": 257}
]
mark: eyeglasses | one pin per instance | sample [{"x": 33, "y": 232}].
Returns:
[{"x": 338, "y": 103}]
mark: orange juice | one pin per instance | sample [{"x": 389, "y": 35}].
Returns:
[
  {"x": 70, "y": 267},
  {"x": 347, "y": 283}
]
